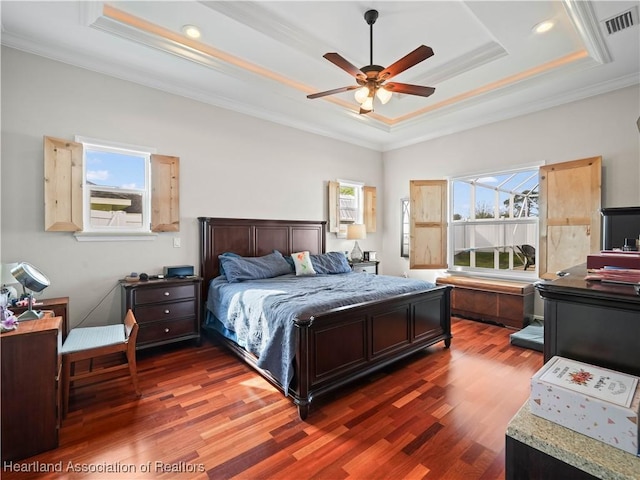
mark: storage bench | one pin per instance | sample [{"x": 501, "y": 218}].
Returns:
[{"x": 504, "y": 302}]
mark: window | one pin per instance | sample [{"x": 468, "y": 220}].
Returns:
[
  {"x": 349, "y": 203},
  {"x": 116, "y": 187},
  {"x": 102, "y": 190},
  {"x": 406, "y": 221},
  {"x": 494, "y": 222}
]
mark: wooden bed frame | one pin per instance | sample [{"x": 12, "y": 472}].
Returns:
[{"x": 334, "y": 347}]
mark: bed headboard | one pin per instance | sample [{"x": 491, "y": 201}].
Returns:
[{"x": 254, "y": 238}]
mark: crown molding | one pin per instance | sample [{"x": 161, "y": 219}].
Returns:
[
  {"x": 464, "y": 63},
  {"x": 586, "y": 24}
]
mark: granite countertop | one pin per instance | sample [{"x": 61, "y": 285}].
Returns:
[{"x": 592, "y": 456}]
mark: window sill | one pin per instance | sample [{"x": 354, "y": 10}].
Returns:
[
  {"x": 515, "y": 276},
  {"x": 113, "y": 237}
]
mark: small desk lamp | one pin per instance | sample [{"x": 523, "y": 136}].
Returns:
[
  {"x": 31, "y": 278},
  {"x": 356, "y": 232}
]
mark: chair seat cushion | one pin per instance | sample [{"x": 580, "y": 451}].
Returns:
[{"x": 93, "y": 337}]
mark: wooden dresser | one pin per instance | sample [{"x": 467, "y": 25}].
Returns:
[
  {"x": 592, "y": 322},
  {"x": 30, "y": 392},
  {"x": 504, "y": 302},
  {"x": 166, "y": 310}
]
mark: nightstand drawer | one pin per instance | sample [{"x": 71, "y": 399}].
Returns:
[
  {"x": 364, "y": 268},
  {"x": 164, "y": 293},
  {"x": 165, "y": 311},
  {"x": 160, "y": 332}
]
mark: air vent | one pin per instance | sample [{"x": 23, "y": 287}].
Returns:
[{"x": 622, "y": 21}]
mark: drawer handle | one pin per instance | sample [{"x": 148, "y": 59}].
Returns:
[
  {"x": 166, "y": 311},
  {"x": 166, "y": 294},
  {"x": 166, "y": 330}
]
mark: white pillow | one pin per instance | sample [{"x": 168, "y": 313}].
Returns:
[{"x": 302, "y": 261}]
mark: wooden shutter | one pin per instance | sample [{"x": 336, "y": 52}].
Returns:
[
  {"x": 428, "y": 224},
  {"x": 62, "y": 185},
  {"x": 570, "y": 198},
  {"x": 165, "y": 193},
  {"x": 369, "y": 208},
  {"x": 334, "y": 206}
]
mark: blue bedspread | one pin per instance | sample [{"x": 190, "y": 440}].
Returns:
[{"x": 261, "y": 312}]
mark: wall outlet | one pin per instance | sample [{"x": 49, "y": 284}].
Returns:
[{"x": 176, "y": 242}]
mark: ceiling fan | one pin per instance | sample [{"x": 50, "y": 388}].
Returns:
[{"x": 371, "y": 78}]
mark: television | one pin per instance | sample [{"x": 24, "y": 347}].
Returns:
[{"x": 618, "y": 224}]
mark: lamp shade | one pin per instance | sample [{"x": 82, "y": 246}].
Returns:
[
  {"x": 356, "y": 232},
  {"x": 30, "y": 277},
  {"x": 383, "y": 95}
]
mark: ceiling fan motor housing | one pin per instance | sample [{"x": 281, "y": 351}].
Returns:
[{"x": 371, "y": 16}]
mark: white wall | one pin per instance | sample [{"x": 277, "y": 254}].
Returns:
[
  {"x": 231, "y": 165},
  {"x": 598, "y": 126},
  {"x": 234, "y": 165}
]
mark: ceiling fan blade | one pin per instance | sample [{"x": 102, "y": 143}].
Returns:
[
  {"x": 344, "y": 64},
  {"x": 418, "y": 55},
  {"x": 409, "y": 89},
  {"x": 331, "y": 92}
]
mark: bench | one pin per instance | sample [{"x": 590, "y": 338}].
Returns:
[{"x": 504, "y": 302}]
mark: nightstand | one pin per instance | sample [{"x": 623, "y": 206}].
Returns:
[
  {"x": 370, "y": 266},
  {"x": 167, "y": 310}
]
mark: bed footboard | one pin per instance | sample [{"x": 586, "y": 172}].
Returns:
[{"x": 342, "y": 345}]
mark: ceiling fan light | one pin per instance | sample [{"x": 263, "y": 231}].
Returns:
[
  {"x": 368, "y": 104},
  {"x": 383, "y": 95},
  {"x": 361, "y": 94}
]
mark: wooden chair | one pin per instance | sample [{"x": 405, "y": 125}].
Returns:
[
  {"x": 529, "y": 254},
  {"x": 91, "y": 342}
]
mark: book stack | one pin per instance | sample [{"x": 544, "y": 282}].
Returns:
[
  {"x": 615, "y": 266},
  {"x": 614, "y": 259}
]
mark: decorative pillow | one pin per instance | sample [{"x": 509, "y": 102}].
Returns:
[
  {"x": 330, "y": 263},
  {"x": 226, "y": 254},
  {"x": 238, "y": 269},
  {"x": 302, "y": 261}
]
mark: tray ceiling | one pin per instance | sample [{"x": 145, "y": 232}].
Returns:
[{"x": 263, "y": 58}]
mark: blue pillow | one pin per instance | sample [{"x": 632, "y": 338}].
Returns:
[
  {"x": 226, "y": 254},
  {"x": 289, "y": 260},
  {"x": 330, "y": 263},
  {"x": 238, "y": 269}
]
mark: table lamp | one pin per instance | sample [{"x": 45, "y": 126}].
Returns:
[{"x": 356, "y": 232}]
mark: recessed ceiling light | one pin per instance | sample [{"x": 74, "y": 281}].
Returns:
[
  {"x": 543, "y": 27},
  {"x": 191, "y": 31}
]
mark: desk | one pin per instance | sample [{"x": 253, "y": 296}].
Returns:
[
  {"x": 591, "y": 322},
  {"x": 539, "y": 449},
  {"x": 30, "y": 393}
]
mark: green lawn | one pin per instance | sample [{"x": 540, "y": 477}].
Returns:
[{"x": 485, "y": 260}]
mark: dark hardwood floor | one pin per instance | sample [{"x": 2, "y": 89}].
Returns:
[{"x": 441, "y": 414}]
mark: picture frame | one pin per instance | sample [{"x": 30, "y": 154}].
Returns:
[
  {"x": 365, "y": 256},
  {"x": 373, "y": 256}
]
